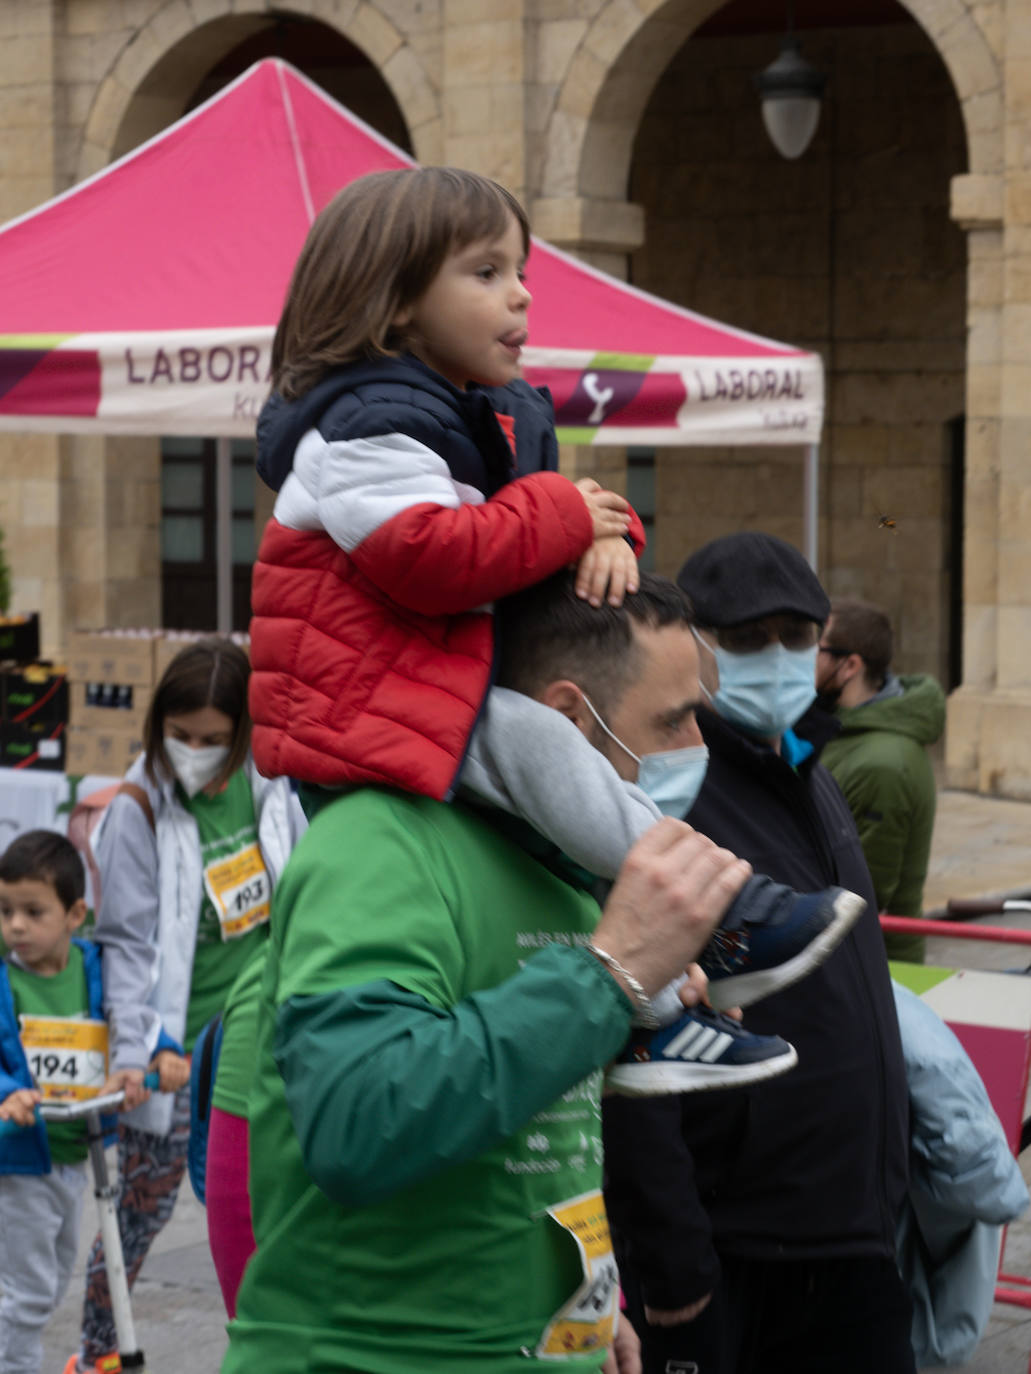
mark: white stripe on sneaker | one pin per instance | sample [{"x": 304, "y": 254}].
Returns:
[
  {"x": 678, "y": 1047},
  {"x": 691, "y": 1043},
  {"x": 714, "y": 1051}
]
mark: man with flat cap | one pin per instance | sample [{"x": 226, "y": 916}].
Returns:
[{"x": 756, "y": 1230}]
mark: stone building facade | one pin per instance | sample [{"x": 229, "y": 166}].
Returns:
[{"x": 898, "y": 246}]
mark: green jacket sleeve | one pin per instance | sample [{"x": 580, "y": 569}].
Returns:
[
  {"x": 386, "y": 1089},
  {"x": 883, "y": 827}
]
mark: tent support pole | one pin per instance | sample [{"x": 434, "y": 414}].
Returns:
[
  {"x": 812, "y": 504},
  {"x": 224, "y": 535}
]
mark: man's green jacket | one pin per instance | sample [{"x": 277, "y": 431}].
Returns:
[{"x": 881, "y": 764}]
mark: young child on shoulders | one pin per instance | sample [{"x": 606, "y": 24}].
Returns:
[
  {"x": 46, "y": 973},
  {"x": 416, "y": 483}
]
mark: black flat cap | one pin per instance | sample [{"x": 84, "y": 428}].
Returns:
[{"x": 745, "y": 576}]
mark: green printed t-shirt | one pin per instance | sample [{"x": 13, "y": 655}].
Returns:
[
  {"x": 239, "y": 1036},
  {"x": 63, "y": 994},
  {"x": 227, "y": 827},
  {"x": 462, "y": 1271}
]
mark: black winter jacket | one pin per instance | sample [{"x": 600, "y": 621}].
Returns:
[
  {"x": 809, "y": 1165},
  {"x": 380, "y": 395}
]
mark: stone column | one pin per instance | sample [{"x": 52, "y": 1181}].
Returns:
[
  {"x": 29, "y": 464},
  {"x": 484, "y": 96},
  {"x": 988, "y": 740}
]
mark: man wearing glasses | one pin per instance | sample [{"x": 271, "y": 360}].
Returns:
[
  {"x": 758, "y": 1229},
  {"x": 879, "y": 760}
]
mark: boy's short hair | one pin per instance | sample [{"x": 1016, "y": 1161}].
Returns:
[
  {"x": 860, "y": 627},
  {"x": 548, "y": 632},
  {"x": 370, "y": 253},
  {"x": 44, "y": 856}
]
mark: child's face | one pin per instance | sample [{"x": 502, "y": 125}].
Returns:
[
  {"x": 470, "y": 323},
  {"x": 36, "y": 925}
]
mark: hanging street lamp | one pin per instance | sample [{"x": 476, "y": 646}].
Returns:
[{"x": 790, "y": 89}]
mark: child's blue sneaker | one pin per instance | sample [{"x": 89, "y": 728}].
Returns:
[
  {"x": 701, "y": 1050},
  {"x": 787, "y": 939}
]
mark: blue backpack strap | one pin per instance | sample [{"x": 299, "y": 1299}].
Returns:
[{"x": 203, "y": 1066}]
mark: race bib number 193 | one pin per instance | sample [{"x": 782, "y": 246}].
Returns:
[{"x": 239, "y": 890}]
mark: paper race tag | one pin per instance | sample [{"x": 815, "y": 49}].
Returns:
[
  {"x": 588, "y": 1320},
  {"x": 67, "y": 1056},
  {"x": 239, "y": 890}
]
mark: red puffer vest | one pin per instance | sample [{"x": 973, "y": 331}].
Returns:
[{"x": 371, "y": 660}]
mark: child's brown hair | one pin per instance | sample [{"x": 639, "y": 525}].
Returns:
[
  {"x": 43, "y": 856},
  {"x": 372, "y": 251},
  {"x": 211, "y": 672}
]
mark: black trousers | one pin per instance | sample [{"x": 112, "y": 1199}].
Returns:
[{"x": 837, "y": 1316}]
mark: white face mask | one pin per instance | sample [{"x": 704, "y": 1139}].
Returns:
[
  {"x": 195, "y": 768},
  {"x": 672, "y": 778}
]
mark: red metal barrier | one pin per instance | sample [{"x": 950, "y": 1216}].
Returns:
[{"x": 955, "y": 930}]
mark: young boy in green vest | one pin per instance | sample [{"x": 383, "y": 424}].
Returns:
[{"x": 53, "y": 1045}]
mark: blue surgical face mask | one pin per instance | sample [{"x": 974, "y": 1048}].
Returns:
[
  {"x": 672, "y": 778},
  {"x": 764, "y": 693}
]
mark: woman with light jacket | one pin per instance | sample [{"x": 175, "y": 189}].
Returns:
[{"x": 189, "y": 852}]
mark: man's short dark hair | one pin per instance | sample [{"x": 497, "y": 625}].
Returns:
[
  {"x": 860, "y": 627},
  {"x": 547, "y": 633},
  {"x": 44, "y": 856}
]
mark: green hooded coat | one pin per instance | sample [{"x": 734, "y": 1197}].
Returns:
[{"x": 881, "y": 764}]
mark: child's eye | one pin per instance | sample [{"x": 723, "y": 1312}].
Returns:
[{"x": 486, "y": 273}]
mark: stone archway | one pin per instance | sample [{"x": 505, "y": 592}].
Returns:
[
  {"x": 588, "y": 140},
  {"x": 166, "y": 55},
  {"x": 585, "y": 202},
  {"x": 112, "y": 573}
]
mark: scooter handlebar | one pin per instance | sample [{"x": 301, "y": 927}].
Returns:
[{"x": 75, "y": 1111}]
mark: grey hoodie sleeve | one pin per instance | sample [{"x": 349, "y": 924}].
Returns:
[
  {"x": 127, "y": 928},
  {"x": 563, "y": 786}
]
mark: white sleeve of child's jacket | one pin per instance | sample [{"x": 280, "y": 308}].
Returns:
[{"x": 351, "y": 487}]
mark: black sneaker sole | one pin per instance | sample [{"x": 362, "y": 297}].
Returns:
[
  {"x": 657, "y": 1079},
  {"x": 742, "y": 989}
]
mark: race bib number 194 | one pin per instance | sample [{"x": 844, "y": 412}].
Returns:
[{"x": 67, "y": 1056}]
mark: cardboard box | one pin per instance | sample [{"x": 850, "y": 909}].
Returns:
[
  {"x": 19, "y": 637},
  {"x": 107, "y": 753},
  {"x": 38, "y": 747},
  {"x": 33, "y": 692},
  {"x": 100, "y": 656},
  {"x": 109, "y": 705}
]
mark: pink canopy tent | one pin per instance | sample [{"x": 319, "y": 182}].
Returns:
[{"x": 143, "y": 300}]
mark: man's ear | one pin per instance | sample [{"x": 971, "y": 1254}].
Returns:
[
  {"x": 855, "y": 666},
  {"x": 566, "y": 697}
]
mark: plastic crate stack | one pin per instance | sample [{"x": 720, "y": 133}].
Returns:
[{"x": 33, "y": 700}]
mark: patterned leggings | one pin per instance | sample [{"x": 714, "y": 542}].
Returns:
[{"x": 150, "y": 1169}]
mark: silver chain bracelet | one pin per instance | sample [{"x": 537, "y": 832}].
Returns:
[{"x": 645, "y": 1015}]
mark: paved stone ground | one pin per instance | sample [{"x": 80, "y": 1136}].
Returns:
[
  {"x": 177, "y": 1306},
  {"x": 981, "y": 847}
]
